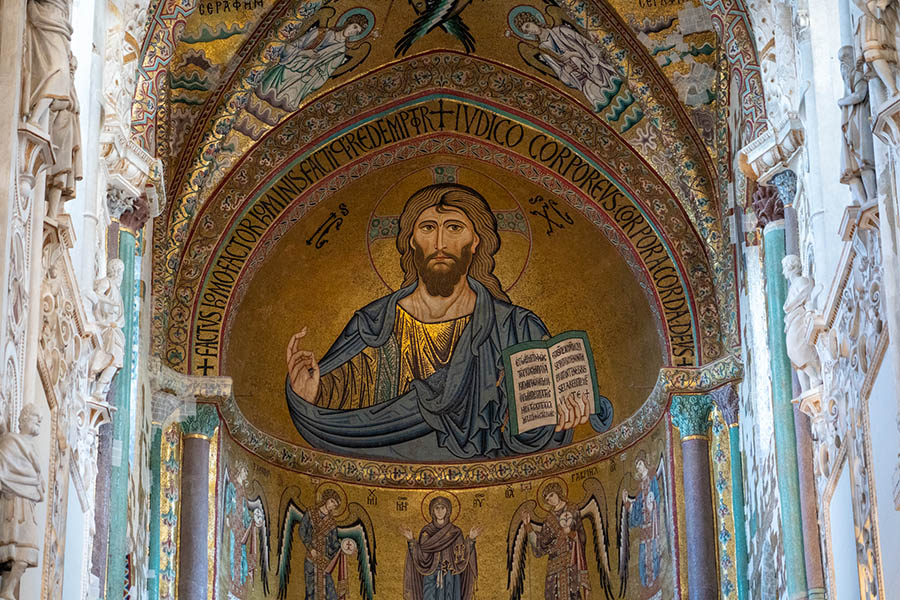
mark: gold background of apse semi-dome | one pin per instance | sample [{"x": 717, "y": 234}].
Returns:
[{"x": 574, "y": 279}]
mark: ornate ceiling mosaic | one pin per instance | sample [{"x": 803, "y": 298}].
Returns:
[{"x": 295, "y": 134}]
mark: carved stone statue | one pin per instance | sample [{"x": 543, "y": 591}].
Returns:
[
  {"x": 857, "y": 154},
  {"x": 21, "y": 488},
  {"x": 109, "y": 312},
  {"x": 797, "y": 315},
  {"x": 878, "y": 31},
  {"x": 50, "y": 86}
]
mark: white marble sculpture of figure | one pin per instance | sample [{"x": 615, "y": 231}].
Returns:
[
  {"x": 797, "y": 315},
  {"x": 878, "y": 31},
  {"x": 21, "y": 488},
  {"x": 857, "y": 153},
  {"x": 110, "y": 315},
  {"x": 50, "y": 86}
]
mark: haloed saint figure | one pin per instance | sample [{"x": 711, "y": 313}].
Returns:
[{"x": 415, "y": 374}]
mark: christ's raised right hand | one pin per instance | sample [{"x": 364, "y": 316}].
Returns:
[{"x": 303, "y": 369}]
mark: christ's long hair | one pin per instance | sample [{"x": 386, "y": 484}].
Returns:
[{"x": 444, "y": 196}]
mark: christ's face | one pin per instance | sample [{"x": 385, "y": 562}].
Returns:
[{"x": 444, "y": 241}]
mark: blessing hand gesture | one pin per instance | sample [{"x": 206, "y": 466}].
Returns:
[{"x": 303, "y": 369}]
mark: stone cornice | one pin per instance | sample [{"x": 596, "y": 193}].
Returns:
[{"x": 773, "y": 151}]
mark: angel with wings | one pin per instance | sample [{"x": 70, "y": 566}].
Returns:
[
  {"x": 246, "y": 521},
  {"x": 330, "y": 535},
  {"x": 564, "y": 53},
  {"x": 561, "y": 536},
  {"x": 311, "y": 58},
  {"x": 643, "y": 512}
]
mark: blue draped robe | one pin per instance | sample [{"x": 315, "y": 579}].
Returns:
[{"x": 456, "y": 413}]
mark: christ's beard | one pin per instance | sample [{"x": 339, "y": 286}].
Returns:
[{"x": 441, "y": 278}]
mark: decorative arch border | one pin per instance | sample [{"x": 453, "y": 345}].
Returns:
[{"x": 192, "y": 289}]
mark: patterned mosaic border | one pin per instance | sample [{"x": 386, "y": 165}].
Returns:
[
  {"x": 461, "y": 475},
  {"x": 276, "y": 150}
]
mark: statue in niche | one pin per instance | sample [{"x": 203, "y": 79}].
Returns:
[
  {"x": 109, "y": 313},
  {"x": 441, "y": 563},
  {"x": 857, "y": 153},
  {"x": 560, "y": 535},
  {"x": 415, "y": 374},
  {"x": 799, "y": 311},
  {"x": 50, "y": 93},
  {"x": 879, "y": 26},
  {"x": 21, "y": 488}
]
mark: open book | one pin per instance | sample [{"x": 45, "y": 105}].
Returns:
[{"x": 550, "y": 382}]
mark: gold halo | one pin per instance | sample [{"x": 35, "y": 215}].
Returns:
[
  {"x": 327, "y": 485},
  {"x": 540, "y": 492},
  {"x": 382, "y": 251},
  {"x": 454, "y": 504}
]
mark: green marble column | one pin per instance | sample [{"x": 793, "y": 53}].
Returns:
[
  {"x": 771, "y": 218},
  {"x": 193, "y": 551},
  {"x": 121, "y": 427},
  {"x": 690, "y": 414},
  {"x": 727, "y": 401},
  {"x": 155, "y": 495}
]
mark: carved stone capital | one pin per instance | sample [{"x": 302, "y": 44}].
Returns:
[
  {"x": 772, "y": 152},
  {"x": 202, "y": 423},
  {"x": 119, "y": 201},
  {"x": 690, "y": 414},
  {"x": 785, "y": 182},
  {"x": 174, "y": 391},
  {"x": 767, "y": 205},
  {"x": 726, "y": 399}
]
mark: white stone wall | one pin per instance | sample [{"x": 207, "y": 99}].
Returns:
[{"x": 856, "y": 407}]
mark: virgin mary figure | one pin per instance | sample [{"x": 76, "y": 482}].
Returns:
[
  {"x": 440, "y": 564},
  {"x": 307, "y": 62}
]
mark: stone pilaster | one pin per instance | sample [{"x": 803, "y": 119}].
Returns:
[
  {"x": 193, "y": 553},
  {"x": 726, "y": 400},
  {"x": 690, "y": 414}
]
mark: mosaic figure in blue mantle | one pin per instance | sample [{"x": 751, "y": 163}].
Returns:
[
  {"x": 416, "y": 374},
  {"x": 307, "y": 62},
  {"x": 643, "y": 512}
]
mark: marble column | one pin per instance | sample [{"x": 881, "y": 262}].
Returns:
[
  {"x": 690, "y": 414},
  {"x": 193, "y": 551},
  {"x": 786, "y": 184},
  {"x": 155, "y": 496},
  {"x": 117, "y": 545},
  {"x": 727, "y": 401},
  {"x": 769, "y": 208}
]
